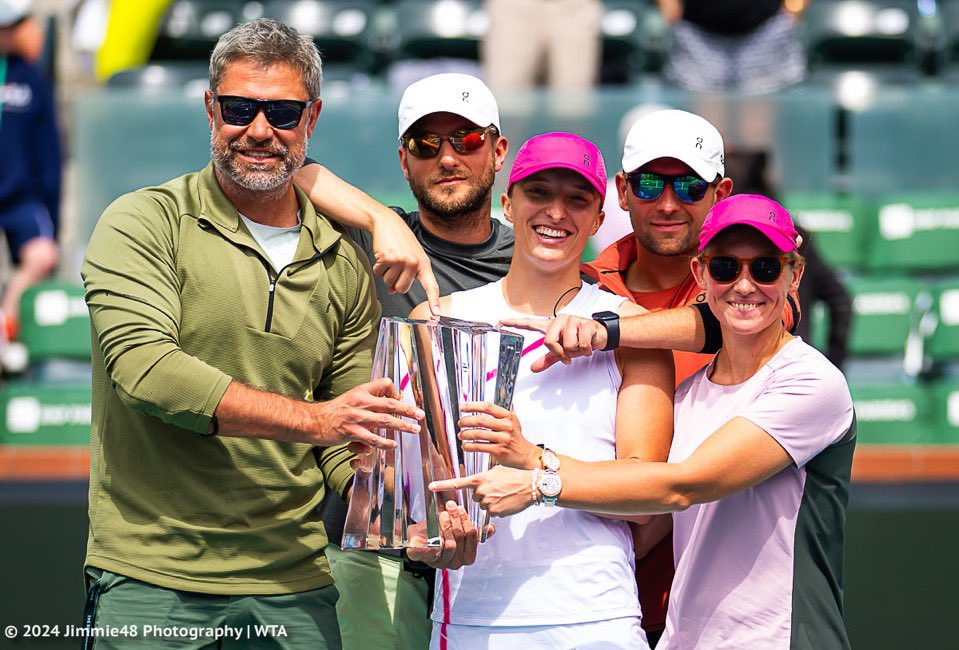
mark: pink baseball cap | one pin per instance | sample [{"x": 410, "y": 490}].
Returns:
[
  {"x": 564, "y": 150},
  {"x": 759, "y": 212}
]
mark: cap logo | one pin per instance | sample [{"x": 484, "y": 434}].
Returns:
[
  {"x": 466, "y": 96},
  {"x": 699, "y": 143},
  {"x": 586, "y": 159},
  {"x": 772, "y": 216}
]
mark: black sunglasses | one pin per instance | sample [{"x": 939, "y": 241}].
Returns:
[
  {"x": 280, "y": 113},
  {"x": 648, "y": 186},
  {"x": 764, "y": 270},
  {"x": 428, "y": 145}
]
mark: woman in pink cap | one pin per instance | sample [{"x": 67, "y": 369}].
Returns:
[
  {"x": 553, "y": 577},
  {"x": 758, "y": 471}
]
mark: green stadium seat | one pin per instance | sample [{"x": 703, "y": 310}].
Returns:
[
  {"x": 893, "y": 414},
  {"x": 884, "y": 314},
  {"x": 190, "y": 28},
  {"x": 946, "y": 411},
  {"x": 54, "y": 322},
  {"x": 943, "y": 345},
  {"x": 190, "y": 76},
  {"x": 852, "y": 32},
  {"x": 625, "y": 38},
  {"x": 917, "y": 232},
  {"x": 448, "y": 29},
  {"x": 41, "y": 413},
  {"x": 904, "y": 140},
  {"x": 839, "y": 225},
  {"x": 949, "y": 53},
  {"x": 342, "y": 30}
]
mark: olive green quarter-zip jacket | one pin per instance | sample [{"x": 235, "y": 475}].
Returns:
[{"x": 183, "y": 301}]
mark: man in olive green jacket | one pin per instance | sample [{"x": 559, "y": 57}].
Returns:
[{"x": 233, "y": 329}]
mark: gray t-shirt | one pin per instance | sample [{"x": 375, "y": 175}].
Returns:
[{"x": 458, "y": 267}]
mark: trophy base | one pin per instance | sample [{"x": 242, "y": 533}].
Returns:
[{"x": 368, "y": 543}]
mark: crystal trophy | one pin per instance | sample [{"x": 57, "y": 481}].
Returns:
[{"x": 437, "y": 365}]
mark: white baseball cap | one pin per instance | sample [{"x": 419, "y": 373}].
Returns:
[
  {"x": 450, "y": 92},
  {"x": 12, "y": 11},
  {"x": 675, "y": 134}
]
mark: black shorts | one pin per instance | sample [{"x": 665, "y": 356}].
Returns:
[{"x": 23, "y": 222}]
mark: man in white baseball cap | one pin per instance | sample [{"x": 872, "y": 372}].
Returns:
[
  {"x": 673, "y": 173},
  {"x": 450, "y": 149}
]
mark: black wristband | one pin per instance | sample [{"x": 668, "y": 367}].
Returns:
[
  {"x": 711, "y": 327},
  {"x": 610, "y": 321}
]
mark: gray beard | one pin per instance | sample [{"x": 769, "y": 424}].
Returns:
[{"x": 254, "y": 180}]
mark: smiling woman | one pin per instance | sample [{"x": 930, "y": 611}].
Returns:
[
  {"x": 759, "y": 465},
  {"x": 555, "y": 577}
]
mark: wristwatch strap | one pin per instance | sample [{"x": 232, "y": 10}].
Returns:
[{"x": 610, "y": 321}]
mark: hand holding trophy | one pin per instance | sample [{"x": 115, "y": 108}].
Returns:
[{"x": 438, "y": 366}]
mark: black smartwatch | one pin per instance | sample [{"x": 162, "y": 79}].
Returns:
[{"x": 610, "y": 321}]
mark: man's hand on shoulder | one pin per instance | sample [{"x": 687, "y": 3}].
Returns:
[{"x": 400, "y": 258}]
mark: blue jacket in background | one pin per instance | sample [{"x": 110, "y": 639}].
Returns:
[{"x": 30, "y": 165}]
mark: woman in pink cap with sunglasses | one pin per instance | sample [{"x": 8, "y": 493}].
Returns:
[
  {"x": 758, "y": 471},
  {"x": 552, "y": 577}
]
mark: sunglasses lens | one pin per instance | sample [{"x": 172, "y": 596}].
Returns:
[
  {"x": 423, "y": 146},
  {"x": 237, "y": 112},
  {"x": 765, "y": 270},
  {"x": 724, "y": 269},
  {"x": 469, "y": 142},
  {"x": 284, "y": 115},
  {"x": 689, "y": 189},
  {"x": 646, "y": 186}
]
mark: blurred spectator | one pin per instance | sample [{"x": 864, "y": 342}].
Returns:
[
  {"x": 749, "y": 170},
  {"x": 26, "y": 36},
  {"x": 525, "y": 35},
  {"x": 29, "y": 168},
  {"x": 746, "y": 45}
]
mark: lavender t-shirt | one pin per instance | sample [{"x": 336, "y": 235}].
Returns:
[{"x": 763, "y": 568}]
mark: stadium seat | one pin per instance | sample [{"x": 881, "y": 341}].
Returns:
[
  {"x": 946, "y": 411},
  {"x": 884, "y": 314},
  {"x": 884, "y": 344},
  {"x": 34, "y": 413},
  {"x": 190, "y": 76},
  {"x": 51, "y": 405},
  {"x": 839, "y": 226},
  {"x": 341, "y": 30},
  {"x": 625, "y": 40},
  {"x": 442, "y": 29},
  {"x": 124, "y": 140},
  {"x": 943, "y": 345},
  {"x": 917, "y": 232},
  {"x": 854, "y": 33},
  {"x": 893, "y": 414},
  {"x": 190, "y": 28},
  {"x": 949, "y": 52},
  {"x": 904, "y": 140},
  {"x": 54, "y": 322}
]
